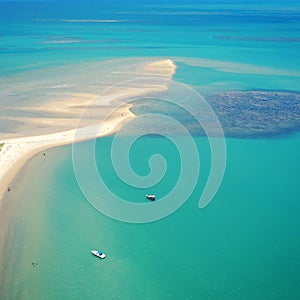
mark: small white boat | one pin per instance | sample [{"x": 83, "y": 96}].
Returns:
[
  {"x": 99, "y": 254},
  {"x": 150, "y": 197}
]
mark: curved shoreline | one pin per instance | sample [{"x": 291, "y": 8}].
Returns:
[{"x": 15, "y": 152}]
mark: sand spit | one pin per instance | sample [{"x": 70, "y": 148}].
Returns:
[{"x": 16, "y": 151}]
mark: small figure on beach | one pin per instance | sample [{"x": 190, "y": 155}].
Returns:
[
  {"x": 34, "y": 264},
  {"x": 8, "y": 189},
  {"x": 44, "y": 154}
]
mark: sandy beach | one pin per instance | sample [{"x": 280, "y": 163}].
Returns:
[
  {"x": 16, "y": 151},
  {"x": 105, "y": 102}
]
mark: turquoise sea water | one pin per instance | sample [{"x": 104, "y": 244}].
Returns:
[{"x": 243, "y": 245}]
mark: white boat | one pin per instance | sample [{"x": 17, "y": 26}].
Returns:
[
  {"x": 99, "y": 254},
  {"x": 150, "y": 197}
]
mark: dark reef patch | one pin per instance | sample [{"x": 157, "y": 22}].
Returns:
[
  {"x": 242, "y": 114},
  {"x": 257, "y": 113}
]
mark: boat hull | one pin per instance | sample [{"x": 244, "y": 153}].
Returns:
[
  {"x": 98, "y": 254},
  {"x": 150, "y": 197}
]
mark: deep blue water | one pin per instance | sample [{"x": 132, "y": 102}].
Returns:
[{"x": 39, "y": 34}]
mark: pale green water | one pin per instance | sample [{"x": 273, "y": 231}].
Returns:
[{"x": 243, "y": 245}]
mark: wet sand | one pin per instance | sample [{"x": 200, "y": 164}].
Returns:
[{"x": 16, "y": 151}]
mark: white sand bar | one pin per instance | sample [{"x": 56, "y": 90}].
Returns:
[{"x": 16, "y": 151}]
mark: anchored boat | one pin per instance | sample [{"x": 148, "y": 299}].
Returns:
[
  {"x": 99, "y": 254},
  {"x": 150, "y": 197}
]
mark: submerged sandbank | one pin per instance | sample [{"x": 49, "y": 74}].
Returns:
[
  {"x": 64, "y": 114},
  {"x": 52, "y": 100}
]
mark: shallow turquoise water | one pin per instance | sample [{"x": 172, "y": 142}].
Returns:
[
  {"x": 243, "y": 245},
  {"x": 38, "y": 35}
]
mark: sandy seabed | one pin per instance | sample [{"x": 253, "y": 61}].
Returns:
[{"x": 16, "y": 151}]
